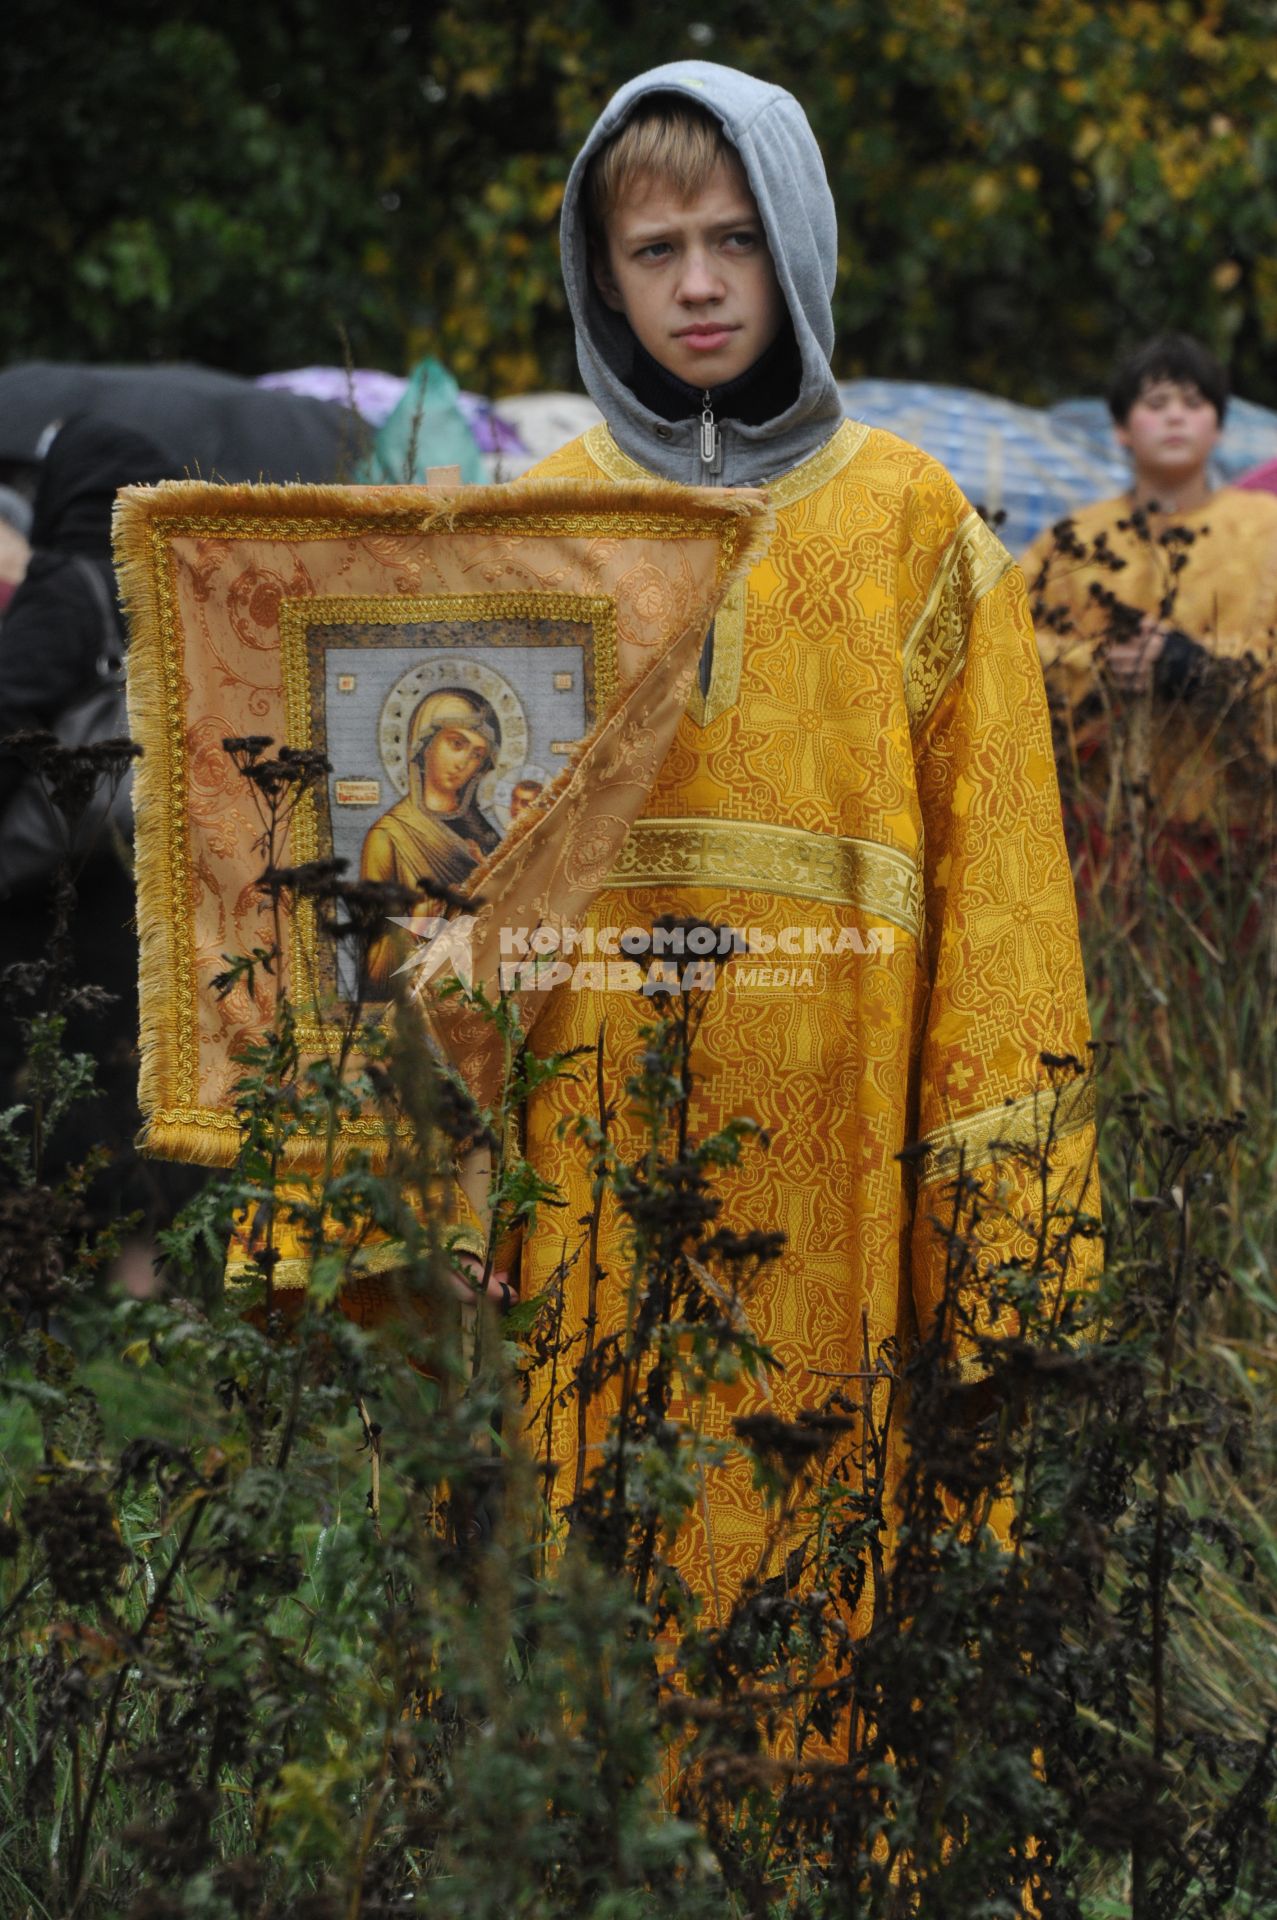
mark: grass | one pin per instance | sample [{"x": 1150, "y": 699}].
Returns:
[
  {"x": 1189, "y": 1007},
  {"x": 1191, "y": 1025}
]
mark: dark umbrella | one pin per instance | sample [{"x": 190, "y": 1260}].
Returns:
[{"x": 211, "y": 425}]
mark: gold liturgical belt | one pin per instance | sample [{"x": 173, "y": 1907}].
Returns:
[{"x": 877, "y": 879}]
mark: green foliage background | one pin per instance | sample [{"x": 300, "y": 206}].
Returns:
[{"x": 1024, "y": 186}]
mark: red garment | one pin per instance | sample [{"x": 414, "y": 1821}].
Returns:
[
  {"x": 1260, "y": 479},
  {"x": 1202, "y": 875}
]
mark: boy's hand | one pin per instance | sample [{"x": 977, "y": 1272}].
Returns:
[
  {"x": 1129, "y": 663},
  {"x": 499, "y": 1289}
]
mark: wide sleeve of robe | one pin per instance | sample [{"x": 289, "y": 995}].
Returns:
[{"x": 1001, "y": 945}]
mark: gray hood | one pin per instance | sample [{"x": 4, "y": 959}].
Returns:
[{"x": 786, "y": 174}]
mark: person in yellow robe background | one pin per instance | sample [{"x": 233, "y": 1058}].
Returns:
[
  {"x": 1178, "y": 705},
  {"x": 863, "y": 775}
]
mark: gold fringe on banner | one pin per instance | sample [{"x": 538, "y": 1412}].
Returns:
[{"x": 152, "y": 716}]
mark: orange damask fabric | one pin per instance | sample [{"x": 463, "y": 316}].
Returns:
[
  {"x": 398, "y": 630},
  {"x": 865, "y": 785}
]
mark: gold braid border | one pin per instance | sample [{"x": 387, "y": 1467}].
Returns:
[
  {"x": 1050, "y": 1112},
  {"x": 293, "y": 1273},
  {"x": 784, "y": 491},
  {"x": 748, "y": 855},
  {"x": 936, "y": 647},
  {"x": 296, "y": 617},
  {"x": 726, "y": 662}
]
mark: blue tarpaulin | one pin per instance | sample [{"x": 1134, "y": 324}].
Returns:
[{"x": 1034, "y": 465}]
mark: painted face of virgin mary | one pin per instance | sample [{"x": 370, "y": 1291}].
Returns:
[
  {"x": 453, "y": 740},
  {"x": 454, "y": 757}
]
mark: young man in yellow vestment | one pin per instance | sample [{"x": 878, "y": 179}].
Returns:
[
  {"x": 862, "y": 778},
  {"x": 1186, "y": 693}
]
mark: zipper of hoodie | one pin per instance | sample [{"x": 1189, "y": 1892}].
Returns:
[
  {"x": 711, "y": 442},
  {"x": 711, "y": 468}
]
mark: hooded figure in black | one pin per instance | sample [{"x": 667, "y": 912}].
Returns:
[
  {"x": 55, "y": 632},
  {"x": 52, "y": 635}
]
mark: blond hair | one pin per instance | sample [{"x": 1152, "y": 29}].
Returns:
[{"x": 668, "y": 139}]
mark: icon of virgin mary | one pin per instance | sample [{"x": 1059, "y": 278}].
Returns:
[{"x": 437, "y": 831}]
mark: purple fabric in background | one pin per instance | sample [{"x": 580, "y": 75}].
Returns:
[
  {"x": 374, "y": 395},
  {"x": 492, "y": 433}
]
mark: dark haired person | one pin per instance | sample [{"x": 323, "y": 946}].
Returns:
[{"x": 1197, "y": 667}]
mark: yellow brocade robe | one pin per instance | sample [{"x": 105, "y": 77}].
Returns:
[
  {"x": 1207, "y": 748},
  {"x": 872, "y": 753}
]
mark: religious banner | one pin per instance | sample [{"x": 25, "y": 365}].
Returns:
[{"x": 493, "y": 676}]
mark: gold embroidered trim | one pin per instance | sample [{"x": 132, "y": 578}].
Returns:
[
  {"x": 977, "y": 1138},
  {"x": 296, "y": 618},
  {"x": 388, "y": 1256},
  {"x": 788, "y": 488},
  {"x": 180, "y": 983},
  {"x": 607, "y": 456},
  {"x": 224, "y": 1121},
  {"x": 651, "y": 525},
  {"x": 394, "y": 610},
  {"x": 784, "y": 491},
  {"x": 936, "y": 647},
  {"x": 210, "y": 1136},
  {"x": 467, "y": 1240},
  {"x": 560, "y": 507},
  {"x": 727, "y": 660},
  {"x": 841, "y": 871},
  {"x": 290, "y": 1276}
]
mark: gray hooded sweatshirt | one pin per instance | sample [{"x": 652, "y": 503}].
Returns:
[{"x": 786, "y": 175}]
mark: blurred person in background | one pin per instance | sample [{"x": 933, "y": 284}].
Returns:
[
  {"x": 61, "y": 620},
  {"x": 15, "y": 547},
  {"x": 1156, "y": 616},
  {"x": 53, "y": 637}
]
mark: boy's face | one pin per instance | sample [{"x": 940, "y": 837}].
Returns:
[
  {"x": 694, "y": 278},
  {"x": 1171, "y": 430}
]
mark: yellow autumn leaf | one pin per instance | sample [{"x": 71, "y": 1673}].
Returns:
[{"x": 479, "y": 82}]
